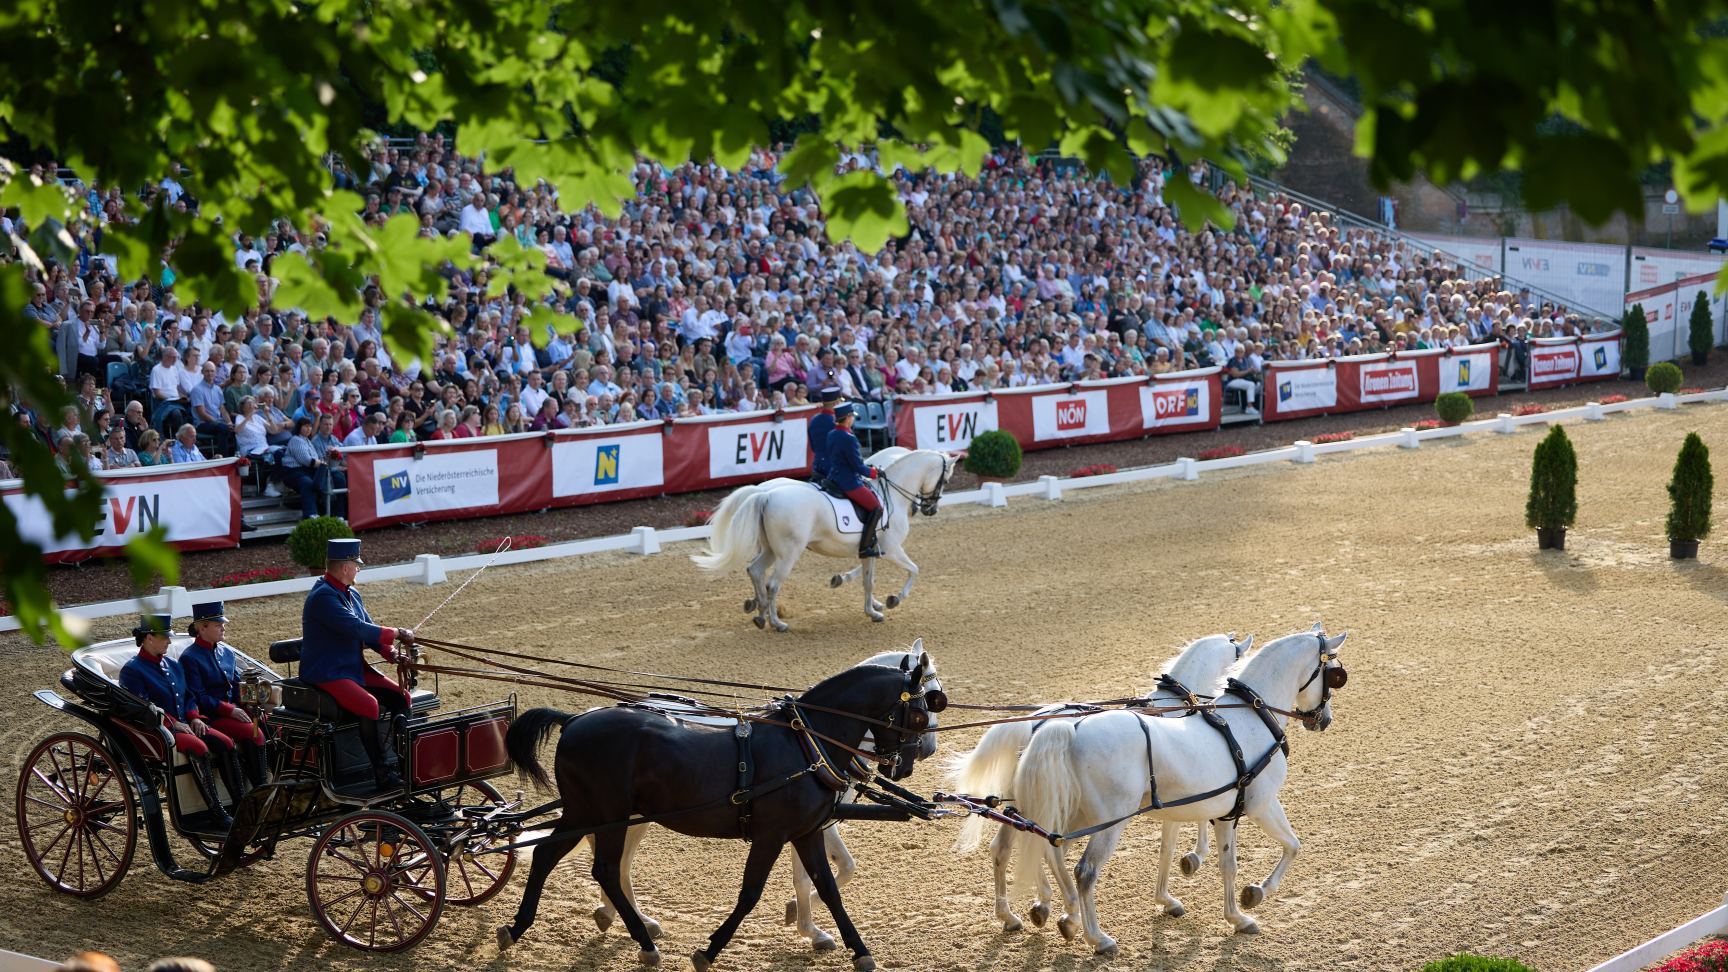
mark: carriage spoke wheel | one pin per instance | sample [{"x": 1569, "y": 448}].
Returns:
[
  {"x": 472, "y": 876},
  {"x": 76, "y": 815},
  {"x": 376, "y": 882}
]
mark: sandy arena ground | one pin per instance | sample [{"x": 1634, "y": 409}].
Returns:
[{"x": 1525, "y": 760}]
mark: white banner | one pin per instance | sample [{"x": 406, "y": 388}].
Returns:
[
  {"x": 453, "y": 480},
  {"x": 192, "y": 508},
  {"x": 1553, "y": 362},
  {"x": 1300, "y": 389},
  {"x": 1172, "y": 404},
  {"x": 1466, "y": 372},
  {"x": 1585, "y": 275},
  {"x": 1599, "y": 358},
  {"x": 1480, "y": 252},
  {"x": 758, "y": 447},
  {"x": 952, "y": 426},
  {"x": 1389, "y": 381},
  {"x": 1653, "y": 267},
  {"x": 1070, "y": 416},
  {"x": 602, "y": 464}
]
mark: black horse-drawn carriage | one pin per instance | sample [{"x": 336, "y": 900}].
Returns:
[{"x": 382, "y": 865}]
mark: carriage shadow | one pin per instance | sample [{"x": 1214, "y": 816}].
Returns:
[{"x": 1168, "y": 947}]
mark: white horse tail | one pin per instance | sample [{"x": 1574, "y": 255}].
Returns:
[
  {"x": 1046, "y": 791},
  {"x": 985, "y": 771},
  {"x": 737, "y": 536}
]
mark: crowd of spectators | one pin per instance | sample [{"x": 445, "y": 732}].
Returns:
[{"x": 718, "y": 291}]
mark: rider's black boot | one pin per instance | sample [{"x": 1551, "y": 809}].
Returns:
[
  {"x": 867, "y": 543},
  {"x": 204, "y": 778},
  {"x": 228, "y": 764},
  {"x": 374, "y": 736},
  {"x": 256, "y": 763}
]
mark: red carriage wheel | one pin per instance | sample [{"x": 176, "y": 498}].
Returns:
[
  {"x": 472, "y": 876},
  {"x": 376, "y": 881},
  {"x": 76, "y": 815}
]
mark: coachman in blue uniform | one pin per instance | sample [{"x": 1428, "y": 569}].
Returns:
[
  {"x": 847, "y": 469},
  {"x": 821, "y": 424},
  {"x": 159, "y": 680},
  {"x": 335, "y": 633},
  {"x": 213, "y": 683}
]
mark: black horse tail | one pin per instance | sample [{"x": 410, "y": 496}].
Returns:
[{"x": 525, "y": 737}]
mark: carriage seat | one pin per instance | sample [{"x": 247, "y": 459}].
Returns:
[{"x": 306, "y": 699}]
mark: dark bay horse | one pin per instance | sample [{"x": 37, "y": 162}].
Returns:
[{"x": 776, "y": 786}]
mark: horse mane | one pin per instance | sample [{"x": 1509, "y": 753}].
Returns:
[
  {"x": 831, "y": 681},
  {"x": 1236, "y": 670}
]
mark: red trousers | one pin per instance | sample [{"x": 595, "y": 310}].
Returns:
[
  {"x": 865, "y": 497},
  {"x": 195, "y": 745},
  {"x": 234, "y": 729},
  {"x": 353, "y": 697}
]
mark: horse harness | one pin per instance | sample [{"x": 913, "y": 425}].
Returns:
[{"x": 925, "y": 503}]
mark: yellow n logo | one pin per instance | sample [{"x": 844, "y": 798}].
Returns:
[{"x": 606, "y": 465}]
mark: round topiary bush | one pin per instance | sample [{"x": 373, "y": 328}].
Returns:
[
  {"x": 1465, "y": 962},
  {"x": 993, "y": 455},
  {"x": 306, "y": 544},
  {"x": 1664, "y": 376},
  {"x": 1454, "y": 407}
]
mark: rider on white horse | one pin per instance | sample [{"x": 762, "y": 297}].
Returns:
[
  {"x": 821, "y": 425},
  {"x": 848, "y": 470}
]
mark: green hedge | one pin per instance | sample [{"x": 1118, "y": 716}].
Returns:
[
  {"x": 1664, "y": 376},
  {"x": 307, "y": 543},
  {"x": 1454, "y": 407},
  {"x": 1465, "y": 962},
  {"x": 993, "y": 455}
]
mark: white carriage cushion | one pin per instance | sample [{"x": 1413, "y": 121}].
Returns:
[{"x": 111, "y": 656}]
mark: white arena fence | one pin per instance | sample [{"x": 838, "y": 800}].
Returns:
[{"x": 433, "y": 569}]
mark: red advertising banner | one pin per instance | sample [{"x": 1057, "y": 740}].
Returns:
[
  {"x": 1564, "y": 361},
  {"x": 716, "y": 451},
  {"x": 1299, "y": 389},
  {"x": 447, "y": 480},
  {"x": 1044, "y": 416},
  {"x": 196, "y": 503}
]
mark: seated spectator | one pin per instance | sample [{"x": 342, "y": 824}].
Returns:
[
  {"x": 446, "y": 426},
  {"x": 1241, "y": 374},
  {"x": 491, "y": 424},
  {"x": 404, "y": 431},
  {"x": 185, "y": 447},
  {"x": 115, "y": 454},
  {"x": 150, "y": 452}
]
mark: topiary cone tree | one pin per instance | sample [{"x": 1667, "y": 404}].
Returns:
[
  {"x": 1553, "y": 503},
  {"x": 1701, "y": 335},
  {"x": 1689, "y": 494},
  {"x": 1637, "y": 335}
]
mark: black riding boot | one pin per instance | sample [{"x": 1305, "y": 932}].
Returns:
[
  {"x": 867, "y": 543},
  {"x": 256, "y": 763},
  {"x": 228, "y": 764},
  {"x": 204, "y": 778},
  {"x": 375, "y": 738}
]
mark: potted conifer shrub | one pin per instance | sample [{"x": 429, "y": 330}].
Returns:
[
  {"x": 1637, "y": 335},
  {"x": 1702, "y": 335},
  {"x": 1553, "y": 502},
  {"x": 1689, "y": 493}
]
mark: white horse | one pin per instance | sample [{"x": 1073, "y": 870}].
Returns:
[
  {"x": 766, "y": 527},
  {"x": 989, "y": 769},
  {"x": 1069, "y": 780},
  {"x": 797, "y": 910}
]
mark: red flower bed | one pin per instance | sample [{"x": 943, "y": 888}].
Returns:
[
  {"x": 1711, "y": 956},
  {"x": 1222, "y": 452},
  {"x": 698, "y": 518},
  {"x": 1096, "y": 469},
  {"x": 1691, "y": 391},
  {"x": 1611, "y": 399},
  {"x": 1333, "y": 437},
  {"x": 1529, "y": 408},
  {"x": 1428, "y": 424},
  {"x": 259, "y": 576},
  {"x": 519, "y": 541}
]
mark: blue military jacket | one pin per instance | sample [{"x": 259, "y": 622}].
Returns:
[
  {"x": 846, "y": 460},
  {"x": 821, "y": 424},
  {"x": 335, "y": 632},
  {"x": 212, "y": 676},
  {"x": 161, "y": 682}
]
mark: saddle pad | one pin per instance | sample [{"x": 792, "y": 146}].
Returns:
[{"x": 846, "y": 520}]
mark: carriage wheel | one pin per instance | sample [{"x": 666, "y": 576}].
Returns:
[
  {"x": 76, "y": 815},
  {"x": 376, "y": 882},
  {"x": 472, "y": 876}
]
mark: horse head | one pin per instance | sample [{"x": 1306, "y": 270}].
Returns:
[
  {"x": 895, "y": 698},
  {"x": 922, "y": 476},
  {"x": 1298, "y": 672}
]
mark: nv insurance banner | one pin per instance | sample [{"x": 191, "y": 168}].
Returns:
[
  {"x": 1042, "y": 416},
  {"x": 1563, "y": 361},
  {"x": 1299, "y": 389},
  {"x": 197, "y": 503}
]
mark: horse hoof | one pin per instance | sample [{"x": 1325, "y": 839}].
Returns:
[
  {"x": 749, "y": 605},
  {"x": 505, "y": 937},
  {"x": 878, "y": 618},
  {"x": 602, "y": 919},
  {"x": 1068, "y": 928},
  {"x": 1106, "y": 947},
  {"x": 782, "y": 628},
  {"x": 893, "y": 601},
  {"x": 759, "y": 621},
  {"x": 1012, "y": 926},
  {"x": 1252, "y": 896},
  {"x": 700, "y": 962},
  {"x": 654, "y": 929},
  {"x": 836, "y": 581},
  {"x": 791, "y": 912},
  {"x": 648, "y": 957},
  {"x": 1040, "y": 914},
  {"x": 1190, "y": 864},
  {"x": 823, "y": 944},
  {"x": 864, "y": 963},
  {"x": 1251, "y": 928},
  {"x": 1175, "y": 911}
]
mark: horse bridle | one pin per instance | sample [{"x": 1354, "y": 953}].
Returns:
[
  {"x": 1336, "y": 677},
  {"x": 925, "y": 503},
  {"x": 908, "y": 718}
]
